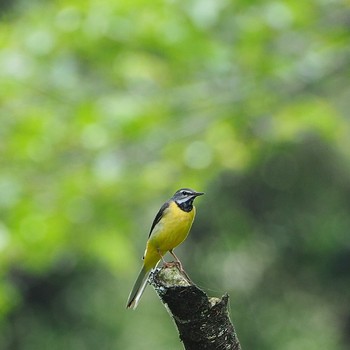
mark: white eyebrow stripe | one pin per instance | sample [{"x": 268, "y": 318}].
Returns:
[{"x": 183, "y": 200}]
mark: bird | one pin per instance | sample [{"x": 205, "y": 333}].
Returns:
[{"x": 170, "y": 228}]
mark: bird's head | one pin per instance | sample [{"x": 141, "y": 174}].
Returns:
[{"x": 184, "y": 197}]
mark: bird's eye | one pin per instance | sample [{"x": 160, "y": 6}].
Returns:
[{"x": 185, "y": 193}]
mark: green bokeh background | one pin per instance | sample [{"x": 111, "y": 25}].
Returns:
[{"x": 108, "y": 107}]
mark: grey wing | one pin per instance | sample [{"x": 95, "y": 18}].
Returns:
[{"x": 158, "y": 216}]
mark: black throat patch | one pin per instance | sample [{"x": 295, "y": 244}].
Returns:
[{"x": 186, "y": 206}]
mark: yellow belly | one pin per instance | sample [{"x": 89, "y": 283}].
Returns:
[{"x": 172, "y": 230}]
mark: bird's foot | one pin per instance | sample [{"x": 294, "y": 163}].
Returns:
[
  {"x": 169, "y": 264},
  {"x": 179, "y": 266}
]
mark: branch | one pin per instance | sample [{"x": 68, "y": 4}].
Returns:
[{"x": 203, "y": 322}]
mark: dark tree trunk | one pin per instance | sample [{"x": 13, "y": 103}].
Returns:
[{"x": 203, "y": 322}]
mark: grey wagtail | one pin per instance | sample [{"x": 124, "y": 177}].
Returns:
[{"x": 170, "y": 228}]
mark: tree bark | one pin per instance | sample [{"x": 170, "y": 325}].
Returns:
[{"x": 203, "y": 322}]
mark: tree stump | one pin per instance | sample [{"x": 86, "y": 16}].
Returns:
[{"x": 203, "y": 322}]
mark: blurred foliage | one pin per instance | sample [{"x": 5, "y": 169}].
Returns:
[{"x": 107, "y": 107}]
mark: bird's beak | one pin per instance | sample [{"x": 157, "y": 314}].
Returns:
[{"x": 198, "y": 194}]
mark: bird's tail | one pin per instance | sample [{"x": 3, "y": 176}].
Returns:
[{"x": 138, "y": 288}]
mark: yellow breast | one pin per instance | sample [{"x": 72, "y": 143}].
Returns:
[{"x": 172, "y": 229}]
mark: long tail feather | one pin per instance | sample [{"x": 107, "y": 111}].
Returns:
[{"x": 138, "y": 289}]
